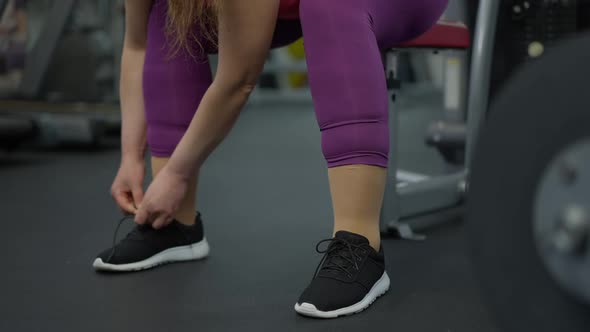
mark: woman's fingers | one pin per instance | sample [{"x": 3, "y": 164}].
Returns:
[
  {"x": 137, "y": 196},
  {"x": 161, "y": 220},
  {"x": 124, "y": 201},
  {"x": 142, "y": 215},
  {"x": 157, "y": 220}
]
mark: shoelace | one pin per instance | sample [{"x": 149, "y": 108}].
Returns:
[
  {"x": 135, "y": 234},
  {"x": 114, "y": 248},
  {"x": 339, "y": 248}
]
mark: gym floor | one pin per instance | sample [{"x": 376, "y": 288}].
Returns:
[{"x": 265, "y": 200}]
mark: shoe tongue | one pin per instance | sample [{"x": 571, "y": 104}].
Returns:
[
  {"x": 351, "y": 237},
  {"x": 342, "y": 256}
]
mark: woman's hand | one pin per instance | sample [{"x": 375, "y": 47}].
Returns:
[
  {"x": 162, "y": 199},
  {"x": 127, "y": 188}
]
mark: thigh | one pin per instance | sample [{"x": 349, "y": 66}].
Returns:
[
  {"x": 347, "y": 81},
  {"x": 174, "y": 83},
  {"x": 173, "y": 88},
  {"x": 344, "y": 61}
]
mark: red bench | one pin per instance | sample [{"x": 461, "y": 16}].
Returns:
[{"x": 443, "y": 35}]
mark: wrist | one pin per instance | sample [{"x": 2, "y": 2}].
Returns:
[
  {"x": 178, "y": 169},
  {"x": 132, "y": 156}
]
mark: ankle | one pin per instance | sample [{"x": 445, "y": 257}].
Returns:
[
  {"x": 375, "y": 244},
  {"x": 373, "y": 236},
  {"x": 186, "y": 218}
]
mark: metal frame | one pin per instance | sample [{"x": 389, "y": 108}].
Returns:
[
  {"x": 411, "y": 205},
  {"x": 3, "y": 4},
  {"x": 480, "y": 73},
  {"x": 39, "y": 57}
]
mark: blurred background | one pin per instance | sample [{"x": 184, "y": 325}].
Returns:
[
  {"x": 59, "y": 68},
  {"x": 59, "y": 72},
  {"x": 59, "y": 152}
]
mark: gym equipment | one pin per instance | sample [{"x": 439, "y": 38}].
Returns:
[
  {"x": 75, "y": 55},
  {"x": 81, "y": 69},
  {"x": 525, "y": 31},
  {"x": 3, "y": 4},
  {"x": 65, "y": 124},
  {"x": 562, "y": 219},
  {"x": 413, "y": 201},
  {"x": 449, "y": 138},
  {"x": 296, "y": 51},
  {"x": 583, "y": 15},
  {"x": 65, "y": 129},
  {"x": 528, "y": 207},
  {"x": 73, "y": 58},
  {"x": 15, "y": 130},
  {"x": 73, "y": 52},
  {"x": 288, "y": 74},
  {"x": 40, "y": 56}
]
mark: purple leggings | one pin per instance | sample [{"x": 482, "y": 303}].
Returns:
[{"x": 343, "y": 39}]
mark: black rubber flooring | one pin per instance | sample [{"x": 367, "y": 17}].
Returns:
[{"x": 265, "y": 201}]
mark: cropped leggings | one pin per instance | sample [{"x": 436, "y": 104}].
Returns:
[{"x": 343, "y": 39}]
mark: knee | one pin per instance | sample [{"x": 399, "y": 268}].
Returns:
[{"x": 364, "y": 142}]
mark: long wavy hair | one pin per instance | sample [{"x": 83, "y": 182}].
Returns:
[{"x": 187, "y": 17}]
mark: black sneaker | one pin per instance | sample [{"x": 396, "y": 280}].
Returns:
[
  {"x": 144, "y": 247},
  {"x": 348, "y": 279}
]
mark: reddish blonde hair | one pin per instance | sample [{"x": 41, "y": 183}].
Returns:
[{"x": 185, "y": 18}]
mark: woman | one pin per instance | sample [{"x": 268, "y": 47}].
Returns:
[{"x": 170, "y": 99}]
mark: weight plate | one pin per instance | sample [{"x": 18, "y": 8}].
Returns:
[
  {"x": 543, "y": 109},
  {"x": 562, "y": 219}
]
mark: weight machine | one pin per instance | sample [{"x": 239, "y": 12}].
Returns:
[
  {"x": 423, "y": 200},
  {"x": 528, "y": 214},
  {"x": 418, "y": 201}
]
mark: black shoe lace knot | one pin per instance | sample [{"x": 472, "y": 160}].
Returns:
[{"x": 341, "y": 256}]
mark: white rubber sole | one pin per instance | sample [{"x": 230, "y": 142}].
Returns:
[
  {"x": 378, "y": 289},
  {"x": 194, "y": 251}
]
